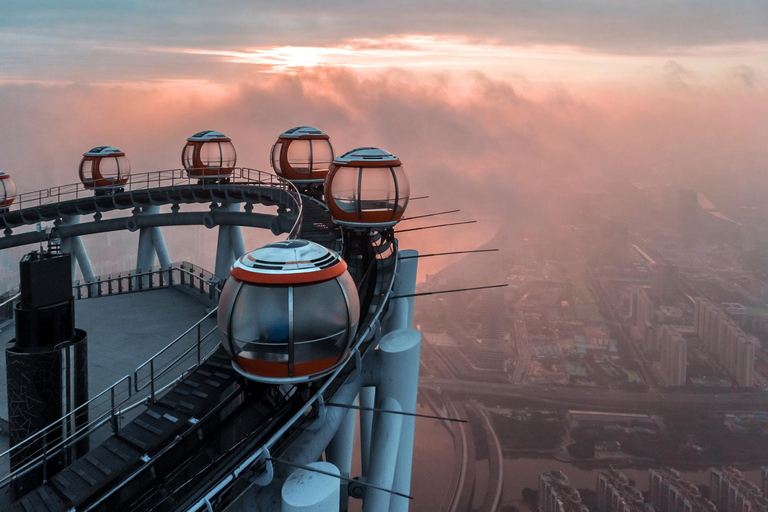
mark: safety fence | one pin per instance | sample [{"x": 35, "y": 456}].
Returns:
[{"x": 104, "y": 411}]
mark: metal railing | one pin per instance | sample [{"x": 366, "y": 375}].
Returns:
[
  {"x": 178, "y": 274},
  {"x": 173, "y": 179},
  {"x": 107, "y": 407},
  {"x": 170, "y": 350},
  {"x": 65, "y": 431},
  {"x": 7, "y": 302}
]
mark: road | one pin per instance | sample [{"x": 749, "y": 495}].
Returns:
[
  {"x": 627, "y": 400},
  {"x": 523, "y": 349}
]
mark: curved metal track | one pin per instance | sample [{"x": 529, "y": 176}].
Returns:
[
  {"x": 277, "y": 420},
  {"x": 172, "y": 187}
]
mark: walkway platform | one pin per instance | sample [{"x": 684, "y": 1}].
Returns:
[{"x": 123, "y": 332}]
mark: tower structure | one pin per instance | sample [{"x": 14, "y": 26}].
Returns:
[{"x": 47, "y": 368}]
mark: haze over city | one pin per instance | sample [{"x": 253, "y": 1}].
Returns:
[{"x": 614, "y": 153}]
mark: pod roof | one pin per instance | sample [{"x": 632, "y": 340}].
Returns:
[
  {"x": 304, "y": 132},
  {"x": 208, "y": 136},
  {"x": 367, "y": 157},
  {"x": 104, "y": 151},
  {"x": 289, "y": 262}
]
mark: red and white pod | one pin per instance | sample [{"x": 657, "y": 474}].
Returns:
[
  {"x": 302, "y": 155},
  {"x": 367, "y": 188},
  {"x": 209, "y": 154},
  {"x": 289, "y": 312},
  {"x": 7, "y": 190},
  {"x": 104, "y": 168}
]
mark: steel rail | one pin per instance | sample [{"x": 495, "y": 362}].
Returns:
[{"x": 246, "y": 185}]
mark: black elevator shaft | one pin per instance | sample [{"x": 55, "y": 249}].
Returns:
[{"x": 47, "y": 370}]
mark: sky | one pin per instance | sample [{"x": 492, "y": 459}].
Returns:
[{"x": 492, "y": 106}]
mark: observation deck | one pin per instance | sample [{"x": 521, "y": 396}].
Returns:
[{"x": 165, "y": 399}]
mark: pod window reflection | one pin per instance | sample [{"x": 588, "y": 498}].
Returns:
[{"x": 289, "y": 312}]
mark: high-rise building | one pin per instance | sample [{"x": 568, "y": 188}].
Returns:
[
  {"x": 493, "y": 316},
  {"x": 674, "y": 354},
  {"x": 557, "y": 495},
  {"x": 745, "y": 361},
  {"x": 642, "y": 308},
  {"x": 667, "y": 492},
  {"x": 616, "y": 493},
  {"x": 727, "y": 342},
  {"x": 731, "y": 492}
]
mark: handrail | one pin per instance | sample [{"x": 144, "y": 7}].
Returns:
[
  {"x": 136, "y": 284},
  {"x": 174, "y": 179},
  {"x": 151, "y": 361},
  {"x": 116, "y": 408},
  {"x": 65, "y": 441},
  {"x": 10, "y": 300}
]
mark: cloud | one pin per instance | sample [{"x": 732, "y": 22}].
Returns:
[
  {"x": 83, "y": 41},
  {"x": 747, "y": 76},
  {"x": 472, "y": 142},
  {"x": 677, "y": 76}
]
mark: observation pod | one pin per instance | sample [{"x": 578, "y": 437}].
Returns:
[
  {"x": 104, "y": 169},
  {"x": 302, "y": 155},
  {"x": 289, "y": 312},
  {"x": 209, "y": 154},
  {"x": 367, "y": 188},
  {"x": 7, "y": 191}
]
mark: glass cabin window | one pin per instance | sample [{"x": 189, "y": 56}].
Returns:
[
  {"x": 8, "y": 190},
  {"x": 345, "y": 188},
  {"x": 228, "y": 154},
  {"x": 86, "y": 170},
  {"x": 227, "y": 300},
  {"x": 404, "y": 187},
  {"x": 276, "y": 156},
  {"x": 378, "y": 189},
  {"x": 260, "y": 315},
  {"x": 210, "y": 154},
  {"x": 311, "y": 321},
  {"x": 188, "y": 156},
  {"x": 114, "y": 168},
  {"x": 322, "y": 155},
  {"x": 300, "y": 155}
]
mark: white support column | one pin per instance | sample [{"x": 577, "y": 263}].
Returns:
[
  {"x": 405, "y": 284},
  {"x": 308, "y": 491},
  {"x": 224, "y": 254},
  {"x": 236, "y": 235},
  {"x": 367, "y": 399},
  {"x": 399, "y": 353},
  {"x": 339, "y": 450},
  {"x": 85, "y": 263},
  {"x": 74, "y": 247},
  {"x": 384, "y": 453},
  {"x": 145, "y": 255},
  {"x": 158, "y": 243}
]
